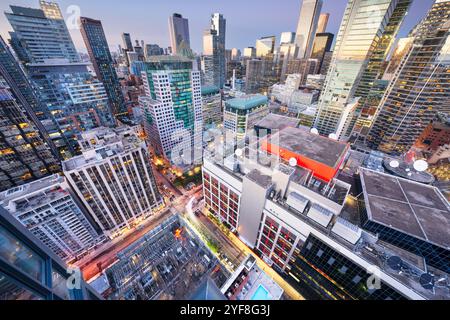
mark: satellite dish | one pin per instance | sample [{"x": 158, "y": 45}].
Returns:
[
  {"x": 394, "y": 164},
  {"x": 395, "y": 263},
  {"x": 426, "y": 280},
  {"x": 238, "y": 152},
  {"x": 293, "y": 162},
  {"x": 333, "y": 136},
  {"x": 314, "y": 131},
  {"x": 420, "y": 165}
]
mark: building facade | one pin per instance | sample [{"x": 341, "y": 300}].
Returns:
[
  {"x": 51, "y": 212},
  {"x": 98, "y": 49},
  {"x": 179, "y": 32},
  {"x": 173, "y": 108},
  {"x": 40, "y": 34},
  {"x": 113, "y": 178},
  {"x": 419, "y": 89},
  {"x": 30, "y": 271},
  {"x": 352, "y": 53},
  {"x": 24, "y": 156},
  {"x": 307, "y": 27}
]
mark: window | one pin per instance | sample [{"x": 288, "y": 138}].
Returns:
[
  {"x": 343, "y": 269},
  {"x": 10, "y": 290},
  {"x": 16, "y": 253},
  {"x": 59, "y": 284},
  {"x": 319, "y": 253},
  {"x": 331, "y": 261}
]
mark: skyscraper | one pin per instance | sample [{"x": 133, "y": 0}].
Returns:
[
  {"x": 40, "y": 34},
  {"x": 127, "y": 43},
  {"x": 375, "y": 66},
  {"x": 322, "y": 44},
  {"x": 210, "y": 59},
  {"x": 218, "y": 23},
  {"x": 173, "y": 109},
  {"x": 264, "y": 46},
  {"x": 353, "y": 50},
  {"x": 113, "y": 178},
  {"x": 420, "y": 87},
  {"x": 323, "y": 22},
  {"x": 307, "y": 27},
  {"x": 24, "y": 155},
  {"x": 287, "y": 37},
  {"x": 178, "y": 32},
  {"x": 24, "y": 91},
  {"x": 98, "y": 49}
]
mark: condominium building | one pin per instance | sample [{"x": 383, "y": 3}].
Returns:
[
  {"x": 354, "y": 49},
  {"x": 113, "y": 178},
  {"x": 288, "y": 198},
  {"x": 173, "y": 109},
  {"x": 241, "y": 114},
  {"x": 31, "y": 271},
  {"x": 48, "y": 208},
  {"x": 40, "y": 34},
  {"x": 95, "y": 40},
  {"x": 419, "y": 89}
]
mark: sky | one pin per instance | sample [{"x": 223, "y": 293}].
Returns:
[{"x": 247, "y": 20}]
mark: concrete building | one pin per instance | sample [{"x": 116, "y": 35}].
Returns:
[
  {"x": 48, "y": 208},
  {"x": 113, "y": 178},
  {"x": 286, "y": 199}
]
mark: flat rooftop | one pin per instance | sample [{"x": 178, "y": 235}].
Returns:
[
  {"x": 311, "y": 146},
  {"x": 277, "y": 122},
  {"x": 207, "y": 90},
  {"x": 260, "y": 179},
  {"x": 407, "y": 206},
  {"x": 247, "y": 102}
]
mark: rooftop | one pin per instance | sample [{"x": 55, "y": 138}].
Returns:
[
  {"x": 410, "y": 207},
  {"x": 45, "y": 187},
  {"x": 207, "y": 90},
  {"x": 312, "y": 146},
  {"x": 277, "y": 122},
  {"x": 247, "y": 102}
]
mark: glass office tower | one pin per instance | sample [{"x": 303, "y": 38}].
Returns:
[
  {"x": 98, "y": 49},
  {"x": 362, "y": 27}
]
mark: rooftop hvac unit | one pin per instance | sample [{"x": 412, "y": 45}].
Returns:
[
  {"x": 347, "y": 230},
  {"x": 297, "y": 201},
  {"x": 321, "y": 215}
]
